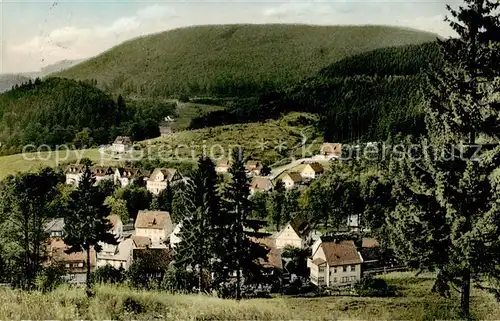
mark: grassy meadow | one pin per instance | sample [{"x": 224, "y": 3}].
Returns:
[
  {"x": 262, "y": 140},
  {"x": 414, "y": 302}
]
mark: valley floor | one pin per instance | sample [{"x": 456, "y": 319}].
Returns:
[{"x": 415, "y": 302}]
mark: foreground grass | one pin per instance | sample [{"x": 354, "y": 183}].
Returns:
[{"x": 415, "y": 302}]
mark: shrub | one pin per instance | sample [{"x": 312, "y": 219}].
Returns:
[
  {"x": 49, "y": 279},
  {"x": 108, "y": 274},
  {"x": 373, "y": 287}
]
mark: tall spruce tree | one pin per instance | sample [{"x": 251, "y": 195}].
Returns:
[
  {"x": 86, "y": 223},
  {"x": 447, "y": 213},
  {"x": 243, "y": 256},
  {"x": 202, "y": 226}
]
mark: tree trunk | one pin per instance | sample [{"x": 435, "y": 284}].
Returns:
[
  {"x": 465, "y": 294},
  {"x": 200, "y": 278},
  {"x": 88, "y": 288},
  {"x": 238, "y": 254}
]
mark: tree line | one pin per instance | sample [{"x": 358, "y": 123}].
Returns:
[{"x": 62, "y": 111}]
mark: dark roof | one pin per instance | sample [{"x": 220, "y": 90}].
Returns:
[
  {"x": 75, "y": 168},
  {"x": 123, "y": 140},
  {"x": 296, "y": 177},
  {"x": 300, "y": 225},
  {"x": 317, "y": 167},
  {"x": 273, "y": 256},
  {"x": 102, "y": 170},
  {"x": 130, "y": 172}
]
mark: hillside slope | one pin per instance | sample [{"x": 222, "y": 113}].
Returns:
[
  {"x": 7, "y": 81},
  {"x": 365, "y": 96},
  {"x": 232, "y": 60}
]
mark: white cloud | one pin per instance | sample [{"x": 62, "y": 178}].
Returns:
[{"x": 71, "y": 42}]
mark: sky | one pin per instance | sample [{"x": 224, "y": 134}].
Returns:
[{"x": 38, "y": 33}]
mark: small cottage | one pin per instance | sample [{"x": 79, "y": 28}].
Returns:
[{"x": 157, "y": 225}]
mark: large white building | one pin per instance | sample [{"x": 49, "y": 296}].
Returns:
[
  {"x": 122, "y": 144},
  {"x": 157, "y": 225},
  {"x": 160, "y": 177},
  {"x": 334, "y": 263}
]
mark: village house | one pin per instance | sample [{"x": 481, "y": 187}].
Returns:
[
  {"x": 55, "y": 228},
  {"x": 74, "y": 174},
  {"x": 331, "y": 150},
  {"x": 160, "y": 177},
  {"x": 74, "y": 264},
  {"x": 334, "y": 263},
  {"x": 141, "y": 242},
  {"x": 291, "y": 179},
  {"x": 353, "y": 222},
  {"x": 296, "y": 233},
  {"x": 260, "y": 184},
  {"x": 156, "y": 225},
  {"x": 122, "y": 144},
  {"x": 312, "y": 171},
  {"x": 253, "y": 167},
  {"x": 274, "y": 260},
  {"x": 125, "y": 176},
  {"x": 118, "y": 256},
  {"x": 222, "y": 166},
  {"x": 102, "y": 173}
]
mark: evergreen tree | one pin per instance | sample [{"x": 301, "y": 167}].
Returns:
[
  {"x": 27, "y": 201},
  {"x": 201, "y": 227},
  {"x": 86, "y": 221},
  {"x": 275, "y": 206},
  {"x": 165, "y": 198},
  {"x": 242, "y": 255},
  {"x": 447, "y": 197}
]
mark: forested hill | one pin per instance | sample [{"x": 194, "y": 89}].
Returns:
[
  {"x": 56, "y": 111},
  {"x": 365, "y": 96},
  {"x": 232, "y": 60}
]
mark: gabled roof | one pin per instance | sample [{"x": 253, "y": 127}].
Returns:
[
  {"x": 153, "y": 220},
  {"x": 300, "y": 225},
  {"x": 168, "y": 173},
  {"x": 294, "y": 176},
  {"x": 102, "y": 170},
  {"x": 55, "y": 225},
  {"x": 316, "y": 167},
  {"x": 262, "y": 183},
  {"x": 141, "y": 242},
  {"x": 331, "y": 149},
  {"x": 253, "y": 165},
  {"x": 74, "y": 169},
  {"x": 129, "y": 172},
  {"x": 123, "y": 140},
  {"x": 341, "y": 253},
  {"x": 274, "y": 254}
]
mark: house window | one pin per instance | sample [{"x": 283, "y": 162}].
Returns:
[
  {"x": 67, "y": 265},
  {"x": 334, "y": 270},
  {"x": 344, "y": 269},
  {"x": 322, "y": 269},
  {"x": 80, "y": 264},
  {"x": 353, "y": 278},
  {"x": 353, "y": 268},
  {"x": 321, "y": 279},
  {"x": 334, "y": 280}
]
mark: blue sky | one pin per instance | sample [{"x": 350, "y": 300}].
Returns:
[{"x": 38, "y": 33}]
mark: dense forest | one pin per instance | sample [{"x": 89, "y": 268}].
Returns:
[
  {"x": 366, "y": 96},
  {"x": 60, "y": 111},
  {"x": 232, "y": 60}
]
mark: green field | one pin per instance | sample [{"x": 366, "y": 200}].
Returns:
[
  {"x": 229, "y": 60},
  {"x": 287, "y": 131},
  {"x": 188, "y": 111},
  {"x": 415, "y": 302},
  {"x": 259, "y": 140}
]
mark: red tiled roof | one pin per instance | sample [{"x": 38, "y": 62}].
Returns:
[
  {"x": 153, "y": 219},
  {"x": 369, "y": 243}
]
